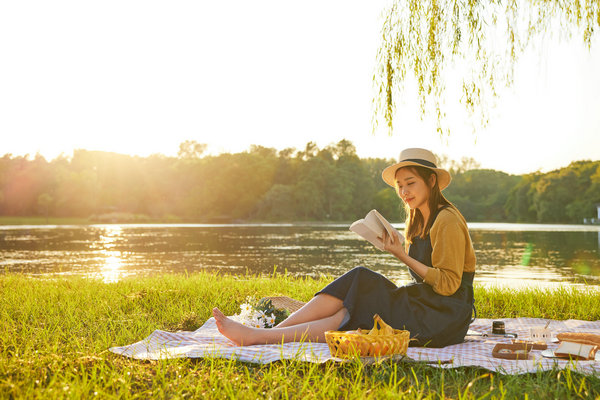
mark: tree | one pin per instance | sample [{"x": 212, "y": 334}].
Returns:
[
  {"x": 277, "y": 204},
  {"x": 481, "y": 193},
  {"x": 287, "y": 169},
  {"x": 45, "y": 202},
  {"x": 345, "y": 148},
  {"x": 355, "y": 179},
  {"x": 484, "y": 39},
  {"x": 312, "y": 192},
  {"x": 519, "y": 204},
  {"x": 592, "y": 193},
  {"x": 553, "y": 193},
  {"x": 262, "y": 184},
  {"x": 190, "y": 149},
  {"x": 311, "y": 150},
  {"x": 457, "y": 167},
  {"x": 387, "y": 202},
  {"x": 583, "y": 204}
]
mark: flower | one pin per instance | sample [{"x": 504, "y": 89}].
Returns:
[
  {"x": 271, "y": 320},
  {"x": 246, "y": 308},
  {"x": 259, "y": 314},
  {"x": 259, "y": 323}
]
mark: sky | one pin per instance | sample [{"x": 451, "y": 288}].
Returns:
[{"x": 140, "y": 77}]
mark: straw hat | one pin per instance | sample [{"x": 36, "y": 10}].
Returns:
[{"x": 419, "y": 158}]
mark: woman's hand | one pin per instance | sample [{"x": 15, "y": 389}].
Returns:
[{"x": 393, "y": 244}]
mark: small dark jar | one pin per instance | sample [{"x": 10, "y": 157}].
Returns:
[{"x": 498, "y": 328}]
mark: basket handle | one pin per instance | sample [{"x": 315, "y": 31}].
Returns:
[
  {"x": 379, "y": 325},
  {"x": 378, "y": 322}
]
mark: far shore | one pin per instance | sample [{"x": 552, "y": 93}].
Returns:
[
  {"x": 125, "y": 218},
  {"x": 140, "y": 219}
]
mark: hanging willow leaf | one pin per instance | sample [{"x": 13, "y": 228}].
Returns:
[{"x": 485, "y": 38}]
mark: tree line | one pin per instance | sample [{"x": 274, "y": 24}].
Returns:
[{"x": 263, "y": 184}]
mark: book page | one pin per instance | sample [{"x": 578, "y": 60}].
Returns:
[
  {"x": 372, "y": 227},
  {"x": 363, "y": 229},
  {"x": 387, "y": 226},
  {"x": 374, "y": 223}
]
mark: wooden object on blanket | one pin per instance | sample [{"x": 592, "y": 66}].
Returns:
[
  {"x": 379, "y": 341},
  {"x": 513, "y": 351},
  {"x": 286, "y": 303},
  {"x": 534, "y": 345}
]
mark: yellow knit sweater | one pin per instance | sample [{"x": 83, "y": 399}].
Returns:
[{"x": 452, "y": 252}]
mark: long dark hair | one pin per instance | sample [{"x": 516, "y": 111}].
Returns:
[{"x": 415, "y": 223}]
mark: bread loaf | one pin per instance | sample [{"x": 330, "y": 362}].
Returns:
[
  {"x": 579, "y": 337},
  {"x": 578, "y": 351}
]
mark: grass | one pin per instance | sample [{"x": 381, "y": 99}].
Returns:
[{"x": 56, "y": 332}]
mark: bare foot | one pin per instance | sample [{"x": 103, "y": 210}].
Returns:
[{"x": 240, "y": 334}]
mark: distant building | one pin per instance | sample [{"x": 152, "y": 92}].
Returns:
[{"x": 595, "y": 221}]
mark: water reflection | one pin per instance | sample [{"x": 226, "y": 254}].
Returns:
[
  {"x": 507, "y": 256},
  {"x": 110, "y": 236},
  {"x": 111, "y": 270},
  {"x": 520, "y": 276}
]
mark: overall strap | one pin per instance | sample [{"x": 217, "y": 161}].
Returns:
[
  {"x": 467, "y": 279},
  {"x": 467, "y": 283},
  {"x": 436, "y": 214},
  {"x": 421, "y": 249}
]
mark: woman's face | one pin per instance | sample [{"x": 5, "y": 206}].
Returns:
[{"x": 413, "y": 189}]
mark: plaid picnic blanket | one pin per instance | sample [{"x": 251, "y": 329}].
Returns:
[{"x": 476, "y": 351}]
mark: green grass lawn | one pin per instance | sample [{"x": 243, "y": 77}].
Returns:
[{"x": 56, "y": 332}]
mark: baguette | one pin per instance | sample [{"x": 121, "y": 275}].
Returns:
[{"x": 579, "y": 337}]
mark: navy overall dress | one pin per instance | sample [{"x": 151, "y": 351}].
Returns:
[{"x": 433, "y": 320}]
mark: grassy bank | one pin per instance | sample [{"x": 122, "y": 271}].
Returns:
[
  {"x": 116, "y": 218},
  {"x": 55, "y": 336},
  {"x": 4, "y": 220}
]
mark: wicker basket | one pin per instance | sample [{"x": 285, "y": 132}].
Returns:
[{"x": 372, "y": 343}]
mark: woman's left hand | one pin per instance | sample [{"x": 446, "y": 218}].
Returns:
[{"x": 393, "y": 244}]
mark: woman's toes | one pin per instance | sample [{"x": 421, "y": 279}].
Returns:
[{"x": 233, "y": 330}]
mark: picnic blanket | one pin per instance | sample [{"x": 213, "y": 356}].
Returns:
[{"x": 476, "y": 351}]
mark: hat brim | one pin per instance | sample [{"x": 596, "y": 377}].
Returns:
[{"x": 389, "y": 174}]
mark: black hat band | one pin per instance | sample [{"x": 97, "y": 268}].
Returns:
[{"x": 421, "y": 161}]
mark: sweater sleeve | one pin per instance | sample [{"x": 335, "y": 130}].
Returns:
[{"x": 448, "y": 255}]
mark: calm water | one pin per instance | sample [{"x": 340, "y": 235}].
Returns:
[{"x": 507, "y": 254}]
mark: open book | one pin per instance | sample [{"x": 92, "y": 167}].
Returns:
[{"x": 372, "y": 226}]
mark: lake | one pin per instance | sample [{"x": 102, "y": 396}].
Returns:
[{"x": 513, "y": 255}]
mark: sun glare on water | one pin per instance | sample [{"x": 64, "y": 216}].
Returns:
[{"x": 112, "y": 269}]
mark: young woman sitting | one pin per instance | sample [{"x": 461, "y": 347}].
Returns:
[{"x": 436, "y": 308}]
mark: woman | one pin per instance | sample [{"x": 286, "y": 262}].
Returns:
[{"x": 436, "y": 308}]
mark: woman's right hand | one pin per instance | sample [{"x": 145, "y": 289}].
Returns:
[{"x": 393, "y": 244}]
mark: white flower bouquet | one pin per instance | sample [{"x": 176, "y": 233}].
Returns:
[{"x": 260, "y": 314}]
